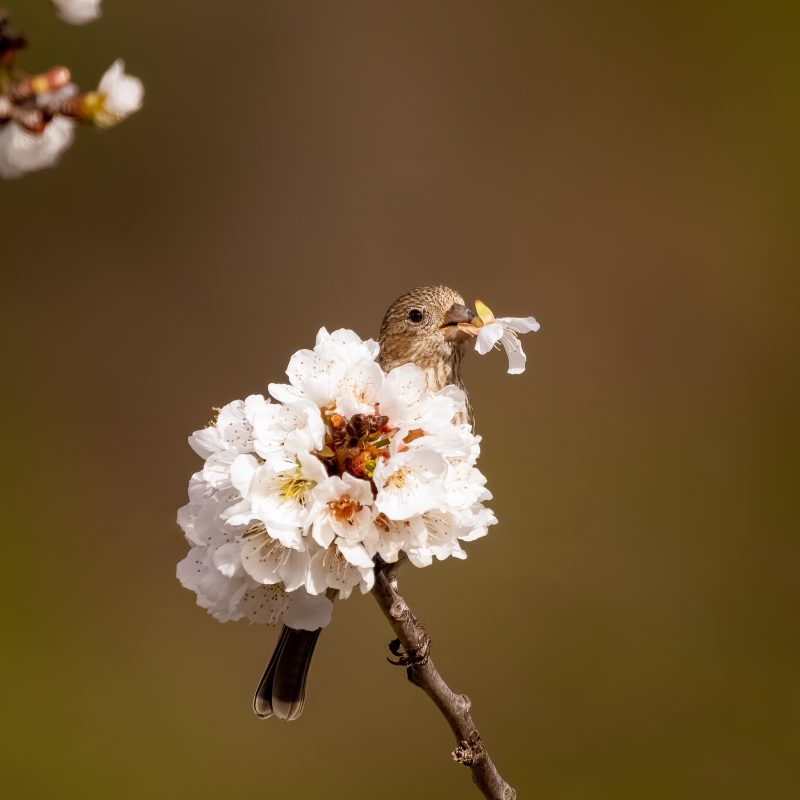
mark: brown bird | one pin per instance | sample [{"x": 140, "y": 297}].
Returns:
[{"x": 420, "y": 327}]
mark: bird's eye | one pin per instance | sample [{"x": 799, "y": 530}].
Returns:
[{"x": 415, "y": 315}]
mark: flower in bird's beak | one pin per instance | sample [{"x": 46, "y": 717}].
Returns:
[{"x": 491, "y": 331}]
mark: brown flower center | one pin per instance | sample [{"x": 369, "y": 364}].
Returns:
[
  {"x": 344, "y": 509},
  {"x": 356, "y": 444}
]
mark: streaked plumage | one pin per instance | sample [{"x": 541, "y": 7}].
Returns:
[{"x": 434, "y": 343}]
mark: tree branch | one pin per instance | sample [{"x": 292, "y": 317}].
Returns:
[{"x": 412, "y": 648}]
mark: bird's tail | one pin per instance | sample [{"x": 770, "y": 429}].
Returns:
[{"x": 282, "y": 690}]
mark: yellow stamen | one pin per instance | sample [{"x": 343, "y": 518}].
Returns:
[
  {"x": 295, "y": 487},
  {"x": 397, "y": 478}
]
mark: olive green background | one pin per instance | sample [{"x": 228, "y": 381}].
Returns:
[{"x": 625, "y": 172}]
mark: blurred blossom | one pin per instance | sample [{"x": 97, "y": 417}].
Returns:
[
  {"x": 77, "y": 12},
  {"x": 118, "y": 96},
  {"x": 22, "y": 151}
]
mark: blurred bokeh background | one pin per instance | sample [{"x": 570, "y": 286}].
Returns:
[{"x": 627, "y": 173}]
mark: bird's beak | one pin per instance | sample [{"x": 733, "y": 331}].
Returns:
[{"x": 455, "y": 320}]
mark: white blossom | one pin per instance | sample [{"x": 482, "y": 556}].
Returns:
[
  {"x": 280, "y": 498},
  {"x": 22, "y": 151},
  {"x": 282, "y": 432},
  {"x": 330, "y": 569},
  {"x": 345, "y": 345},
  {"x": 441, "y": 540},
  {"x": 444, "y": 530},
  {"x": 232, "y": 430},
  {"x": 342, "y": 512},
  {"x": 118, "y": 96},
  {"x": 316, "y": 375},
  {"x": 501, "y": 330},
  {"x": 77, "y": 12},
  {"x": 202, "y": 519},
  {"x": 229, "y": 436},
  {"x": 234, "y": 595},
  {"x": 268, "y": 561},
  {"x": 465, "y": 486},
  {"x": 388, "y": 537},
  {"x": 410, "y": 482}
]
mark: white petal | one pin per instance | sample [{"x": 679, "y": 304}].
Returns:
[
  {"x": 358, "y": 489},
  {"x": 314, "y": 376},
  {"x": 420, "y": 556},
  {"x": 290, "y": 536},
  {"x": 261, "y": 557},
  {"x": 367, "y": 581},
  {"x": 285, "y": 393},
  {"x": 281, "y": 432},
  {"x": 313, "y": 469},
  {"x": 516, "y": 355},
  {"x": 403, "y": 388},
  {"x": 321, "y": 531},
  {"x": 344, "y": 346},
  {"x": 307, "y": 612},
  {"x": 202, "y": 519},
  {"x": 355, "y": 553},
  {"x": 488, "y": 336},
  {"x": 234, "y": 428},
  {"x": 359, "y": 390},
  {"x": 263, "y": 604},
  {"x": 191, "y": 568},
  {"x": 206, "y": 441},
  {"x": 228, "y": 559},
  {"x": 329, "y": 569},
  {"x": 243, "y": 469},
  {"x": 294, "y": 570},
  {"x": 521, "y": 324}
]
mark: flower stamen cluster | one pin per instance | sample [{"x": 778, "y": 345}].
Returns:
[{"x": 354, "y": 445}]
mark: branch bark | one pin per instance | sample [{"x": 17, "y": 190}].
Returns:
[{"x": 415, "y": 644}]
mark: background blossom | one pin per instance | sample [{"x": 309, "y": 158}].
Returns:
[
  {"x": 78, "y": 12},
  {"x": 24, "y": 151}
]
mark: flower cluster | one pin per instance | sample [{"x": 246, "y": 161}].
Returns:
[
  {"x": 300, "y": 495},
  {"x": 38, "y": 113}
]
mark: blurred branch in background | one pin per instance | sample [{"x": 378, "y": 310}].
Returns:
[{"x": 38, "y": 113}]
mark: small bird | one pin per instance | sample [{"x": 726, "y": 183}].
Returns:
[{"x": 420, "y": 327}]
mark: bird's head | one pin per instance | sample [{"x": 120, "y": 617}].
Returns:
[{"x": 421, "y": 327}]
